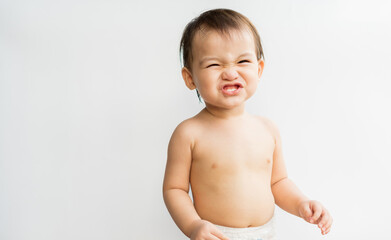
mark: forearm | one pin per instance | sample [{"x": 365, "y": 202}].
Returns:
[
  {"x": 181, "y": 208},
  {"x": 288, "y": 196}
]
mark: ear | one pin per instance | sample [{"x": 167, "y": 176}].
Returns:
[
  {"x": 261, "y": 64},
  {"x": 188, "y": 78}
]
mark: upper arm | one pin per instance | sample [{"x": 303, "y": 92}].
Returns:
[
  {"x": 179, "y": 158},
  {"x": 279, "y": 171}
]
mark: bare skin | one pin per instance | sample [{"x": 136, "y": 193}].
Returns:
[
  {"x": 232, "y": 166},
  {"x": 232, "y": 159}
]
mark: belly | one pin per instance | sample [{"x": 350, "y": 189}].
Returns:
[{"x": 237, "y": 198}]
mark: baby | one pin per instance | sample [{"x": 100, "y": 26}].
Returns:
[{"x": 232, "y": 159}]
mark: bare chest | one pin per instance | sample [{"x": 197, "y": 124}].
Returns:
[{"x": 230, "y": 150}]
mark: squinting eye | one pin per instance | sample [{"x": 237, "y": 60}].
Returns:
[
  {"x": 244, "y": 61},
  {"x": 213, "y": 65}
]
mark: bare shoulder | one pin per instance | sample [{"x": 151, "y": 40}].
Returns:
[
  {"x": 186, "y": 130},
  {"x": 179, "y": 156},
  {"x": 270, "y": 125}
]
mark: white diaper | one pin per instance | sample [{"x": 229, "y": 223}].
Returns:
[{"x": 264, "y": 232}]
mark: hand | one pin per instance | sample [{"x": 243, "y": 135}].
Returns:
[
  {"x": 204, "y": 230},
  {"x": 314, "y": 212}
]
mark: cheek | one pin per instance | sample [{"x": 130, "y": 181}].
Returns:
[
  {"x": 252, "y": 81},
  {"x": 207, "y": 79}
]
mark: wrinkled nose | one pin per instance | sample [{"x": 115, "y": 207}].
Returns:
[{"x": 230, "y": 74}]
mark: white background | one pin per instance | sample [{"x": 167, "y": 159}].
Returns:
[{"x": 90, "y": 92}]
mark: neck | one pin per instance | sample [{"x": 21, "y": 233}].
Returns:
[{"x": 227, "y": 114}]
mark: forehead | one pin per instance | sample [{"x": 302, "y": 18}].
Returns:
[{"x": 213, "y": 42}]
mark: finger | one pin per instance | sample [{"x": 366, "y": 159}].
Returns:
[
  {"x": 213, "y": 237},
  {"x": 326, "y": 231},
  {"x": 323, "y": 228},
  {"x": 328, "y": 225},
  {"x": 323, "y": 220},
  {"x": 307, "y": 213},
  {"x": 216, "y": 232},
  {"x": 220, "y": 237},
  {"x": 318, "y": 210}
]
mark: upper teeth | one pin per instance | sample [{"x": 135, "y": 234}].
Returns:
[{"x": 231, "y": 88}]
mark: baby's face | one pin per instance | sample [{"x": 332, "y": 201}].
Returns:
[{"x": 225, "y": 70}]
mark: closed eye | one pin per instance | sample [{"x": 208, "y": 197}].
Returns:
[
  {"x": 215, "y": 64},
  {"x": 244, "y": 61}
]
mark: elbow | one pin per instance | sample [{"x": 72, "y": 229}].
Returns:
[
  {"x": 168, "y": 189},
  {"x": 165, "y": 190},
  {"x": 278, "y": 181}
]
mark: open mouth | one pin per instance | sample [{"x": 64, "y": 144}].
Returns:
[{"x": 231, "y": 89}]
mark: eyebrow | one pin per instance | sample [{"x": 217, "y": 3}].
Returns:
[{"x": 215, "y": 58}]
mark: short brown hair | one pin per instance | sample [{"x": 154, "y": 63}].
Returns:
[{"x": 221, "y": 20}]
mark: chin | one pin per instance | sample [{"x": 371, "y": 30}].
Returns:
[
  {"x": 234, "y": 104},
  {"x": 228, "y": 103}
]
